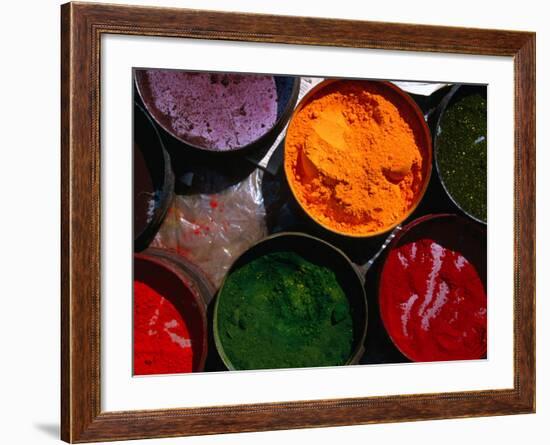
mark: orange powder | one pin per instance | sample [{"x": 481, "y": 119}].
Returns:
[{"x": 355, "y": 157}]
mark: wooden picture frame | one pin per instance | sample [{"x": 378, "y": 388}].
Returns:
[{"x": 82, "y": 26}]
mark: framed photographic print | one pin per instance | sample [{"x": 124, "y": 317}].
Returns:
[{"x": 284, "y": 222}]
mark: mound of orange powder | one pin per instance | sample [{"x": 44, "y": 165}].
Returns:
[{"x": 355, "y": 157}]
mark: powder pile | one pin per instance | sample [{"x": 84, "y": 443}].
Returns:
[
  {"x": 215, "y": 111},
  {"x": 162, "y": 341},
  {"x": 212, "y": 230},
  {"x": 432, "y": 299},
  {"x": 354, "y": 157},
  {"x": 462, "y": 153},
  {"x": 281, "y": 311}
]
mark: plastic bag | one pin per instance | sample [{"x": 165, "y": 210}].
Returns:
[{"x": 213, "y": 229}]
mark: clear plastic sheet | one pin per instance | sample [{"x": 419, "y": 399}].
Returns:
[{"x": 213, "y": 229}]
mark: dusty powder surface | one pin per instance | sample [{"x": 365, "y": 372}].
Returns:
[
  {"x": 283, "y": 311},
  {"x": 432, "y": 295},
  {"x": 162, "y": 339},
  {"x": 215, "y": 111},
  {"x": 354, "y": 158}
]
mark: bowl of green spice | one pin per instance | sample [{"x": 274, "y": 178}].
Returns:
[
  {"x": 460, "y": 149},
  {"x": 290, "y": 301}
]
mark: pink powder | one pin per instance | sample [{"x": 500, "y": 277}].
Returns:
[{"x": 215, "y": 111}]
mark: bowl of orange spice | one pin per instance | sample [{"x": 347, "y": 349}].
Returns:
[{"x": 358, "y": 156}]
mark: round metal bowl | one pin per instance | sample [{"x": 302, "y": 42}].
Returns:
[
  {"x": 476, "y": 254},
  {"x": 158, "y": 270},
  {"x": 284, "y": 110},
  {"x": 457, "y": 92},
  {"x": 153, "y": 180},
  {"x": 319, "y": 252},
  {"x": 400, "y": 97}
]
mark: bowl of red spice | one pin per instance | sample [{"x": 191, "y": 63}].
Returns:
[
  {"x": 170, "y": 331},
  {"x": 432, "y": 289},
  {"x": 358, "y": 156}
]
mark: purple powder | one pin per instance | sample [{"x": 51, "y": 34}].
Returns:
[{"x": 215, "y": 111}]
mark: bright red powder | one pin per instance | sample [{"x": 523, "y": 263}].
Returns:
[
  {"x": 432, "y": 299},
  {"x": 162, "y": 341}
]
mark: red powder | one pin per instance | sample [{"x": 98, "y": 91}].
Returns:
[
  {"x": 213, "y": 203},
  {"x": 433, "y": 301},
  {"x": 162, "y": 342}
]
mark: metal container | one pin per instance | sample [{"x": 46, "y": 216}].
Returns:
[
  {"x": 196, "y": 278},
  {"x": 475, "y": 232},
  {"x": 153, "y": 180},
  {"x": 456, "y": 93},
  {"x": 319, "y": 252},
  {"x": 406, "y": 101},
  {"x": 284, "y": 110},
  {"x": 156, "y": 267}
]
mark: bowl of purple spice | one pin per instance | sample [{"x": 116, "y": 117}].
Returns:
[{"x": 218, "y": 112}]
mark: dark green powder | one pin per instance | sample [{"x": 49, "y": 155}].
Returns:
[
  {"x": 462, "y": 154},
  {"x": 281, "y": 311}
]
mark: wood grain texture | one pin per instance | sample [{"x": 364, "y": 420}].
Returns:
[
  {"x": 524, "y": 224},
  {"x": 82, "y": 27}
]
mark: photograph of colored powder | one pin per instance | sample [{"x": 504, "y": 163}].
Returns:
[
  {"x": 215, "y": 111},
  {"x": 282, "y": 311},
  {"x": 343, "y": 160},
  {"x": 432, "y": 293},
  {"x": 356, "y": 158}
]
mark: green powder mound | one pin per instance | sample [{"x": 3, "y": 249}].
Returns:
[
  {"x": 462, "y": 154},
  {"x": 281, "y": 311}
]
